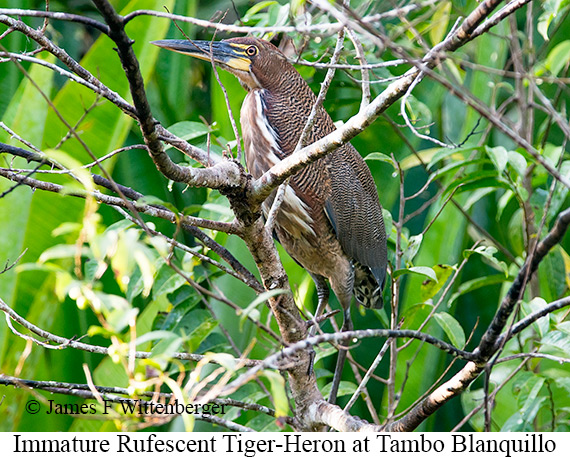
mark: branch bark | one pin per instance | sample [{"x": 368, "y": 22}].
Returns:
[
  {"x": 262, "y": 187},
  {"x": 246, "y": 196}
]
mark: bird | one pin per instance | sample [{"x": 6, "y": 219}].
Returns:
[{"x": 330, "y": 220}]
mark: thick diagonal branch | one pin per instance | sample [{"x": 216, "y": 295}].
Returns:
[
  {"x": 494, "y": 337},
  {"x": 263, "y": 186}
]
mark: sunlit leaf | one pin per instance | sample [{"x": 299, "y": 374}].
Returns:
[
  {"x": 278, "y": 393},
  {"x": 63, "y": 251},
  {"x": 379, "y": 157},
  {"x": 499, "y": 156},
  {"x": 488, "y": 252},
  {"x": 541, "y": 326},
  {"x": 430, "y": 287},
  {"x": 261, "y": 298},
  {"x": 188, "y": 130},
  {"x": 344, "y": 388},
  {"x": 477, "y": 283},
  {"x": 557, "y": 58},
  {"x": 414, "y": 244},
  {"x": 424, "y": 271},
  {"x": 439, "y": 22},
  {"x": 155, "y": 201},
  {"x": 517, "y": 161},
  {"x": 452, "y": 329},
  {"x": 256, "y": 9},
  {"x": 477, "y": 180}
]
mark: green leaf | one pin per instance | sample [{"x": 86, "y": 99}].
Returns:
[
  {"x": 188, "y": 130},
  {"x": 430, "y": 288},
  {"x": 213, "y": 342},
  {"x": 344, "y": 388},
  {"x": 162, "y": 352},
  {"x": 439, "y": 22},
  {"x": 552, "y": 275},
  {"x": 566, "y": 260},
  {"x": 552, "y": 8},
  {"x": 470, "y": 400},
  {"x": 155, "y": 201},
  {"x": 256, "y": 9},
  {"x": 261, "y": 298},
  {"x": 26, "y": 115},
  {"x": 563, "y": 381},
  {"x": 526, "y": 389},
  {"x": 153, "y": 336},
  {"x": 63, "y": 251},
  {"x": 488, "y": 252},
  {"x": 560, "y": 193},
  {"x": 195, "y": 326},
  {"x": 277, "y": 388},
  {"x": 542, "y": 325},
  {"x": 414, "y": 244},
  {"x": 424, "y": 271},
  {"x": 518, "y": 162},
  {"x": 476, "y": 196},
  {"x": 325, "y": 350},
  {"x": 166, "y": 281},
  {"x": 183, "y": 301},
  {"x": 516, "y": 423},
  {"x": 515, "y": 231},
  {"x": 146, "y": 268},
  {"x": 425, "y": 155},
  {"x": 557, "y": 343},
  {"x": 452, "y": 329},
  {"x": 417, "y": 313},
  {"x": 453, "y": 166},
  {"x": 477, "y": 180},
  {"x": 499, "y": 157},
  {"x": 438, "y": 154},
  {"x": 503, "y": 202},
  {"x": 117, "y": 310},
  {"x": 380, "y": 157},
  {"x": 419, "y": 113},
  {"x": 215, "y": 210},
  {"x": 388, "y": 222},
  {"x": 477, "y": 283},
  {"x": 557, "y": 58}
]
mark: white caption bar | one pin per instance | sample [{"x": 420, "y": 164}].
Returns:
[{"x": 287, "y": 444}]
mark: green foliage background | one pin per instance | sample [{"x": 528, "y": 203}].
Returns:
[{"x": 181, "y": 89}]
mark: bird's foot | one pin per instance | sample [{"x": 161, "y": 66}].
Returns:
[
  {"x": 311, "y": 366},
  {"x": 317, "y": 320}
]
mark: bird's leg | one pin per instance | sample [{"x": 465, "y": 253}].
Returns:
[
  {"x": 323, "y": 299},
  {"x": 346, "y": 326}
]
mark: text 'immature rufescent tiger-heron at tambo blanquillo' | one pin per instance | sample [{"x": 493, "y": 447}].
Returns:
[{"x": 330, "y": 220}]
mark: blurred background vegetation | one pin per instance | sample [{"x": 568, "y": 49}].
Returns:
[{"x": 493, "y": 181}]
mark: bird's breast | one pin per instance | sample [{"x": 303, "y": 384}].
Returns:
[
  {"x": 262, "y": 151},
  {"x": 260, "y": 139}
]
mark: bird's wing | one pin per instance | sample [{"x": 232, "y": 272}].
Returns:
[{"x": 354, "y": 210}]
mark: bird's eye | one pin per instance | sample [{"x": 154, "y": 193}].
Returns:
[{"x": 251, "y": 51}]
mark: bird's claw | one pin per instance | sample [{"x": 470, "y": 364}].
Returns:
[{"x": 311, "y": 363}]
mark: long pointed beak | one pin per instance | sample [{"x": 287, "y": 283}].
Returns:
[{"x": 223, "y": 53}]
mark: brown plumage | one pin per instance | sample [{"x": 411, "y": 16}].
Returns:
[{"x": 330, "y": 220}]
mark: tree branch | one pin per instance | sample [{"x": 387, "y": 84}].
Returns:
[
  {"x": 492, "y": 340},
  {"x": 75, "y": 344},
  {"x": 262, "y": 187},
  {"x": 227, "y": 174},
  {"x": 119, "y": 202}
]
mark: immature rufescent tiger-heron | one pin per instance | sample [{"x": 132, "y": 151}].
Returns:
[{"x": 330, "y": 220}]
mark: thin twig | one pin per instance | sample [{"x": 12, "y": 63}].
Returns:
[{"x": 63, "y": 343}]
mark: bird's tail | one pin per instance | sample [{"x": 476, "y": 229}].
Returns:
[{"x": 367, "y": 290}]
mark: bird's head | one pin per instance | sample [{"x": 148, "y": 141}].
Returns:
[{"x": 257, "y": 63}]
